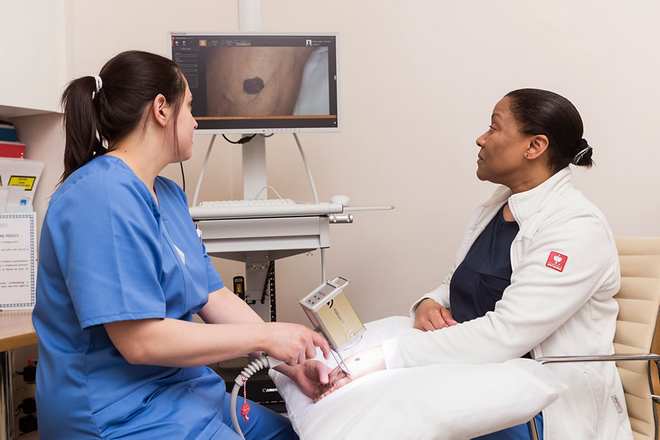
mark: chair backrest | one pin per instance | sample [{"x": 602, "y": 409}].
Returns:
[{"x": 638, "y": 329}]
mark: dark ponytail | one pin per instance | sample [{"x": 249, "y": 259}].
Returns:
[
  {"x": 80, "y": 124},
  {"x": 96, "y": 119},
  {"x": 543, "y": 112}
]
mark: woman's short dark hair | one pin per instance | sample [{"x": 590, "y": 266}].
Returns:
[
  {"x": 95, "y": 120},
  {"x": 543, "y": 112}
]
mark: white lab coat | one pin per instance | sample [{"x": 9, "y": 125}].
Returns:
[{"x": 565, "y": 310}]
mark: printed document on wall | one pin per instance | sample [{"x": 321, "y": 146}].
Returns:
[{"x": 18, "y": 261}]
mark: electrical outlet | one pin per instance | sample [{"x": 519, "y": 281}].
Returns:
[
  {"x": 22, "y": 390},
  {"x": 20, "y": 393}
]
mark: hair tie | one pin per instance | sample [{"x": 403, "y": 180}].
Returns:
[
  {"x": 99, "y": 85},
  {"x": 585, "y": 149},
  {"x": 103, "y": 141}
]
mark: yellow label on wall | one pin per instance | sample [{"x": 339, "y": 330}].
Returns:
[{"x": 25, "y": 182}]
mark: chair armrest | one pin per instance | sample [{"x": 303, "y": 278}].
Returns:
[
  {"x": 599, "y": 358},
  {"x": 605, "y": 358},
  {"x": 651, "y": 357}
]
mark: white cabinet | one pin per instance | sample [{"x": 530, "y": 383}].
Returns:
[{"x": 32, "y": 56}]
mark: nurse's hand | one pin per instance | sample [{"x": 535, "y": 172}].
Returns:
[
  {"x": 430, "y": 315},
  {"x": 293, "y": 343}
]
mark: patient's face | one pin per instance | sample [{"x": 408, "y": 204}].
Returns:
[{"x": 502, "y": 147}]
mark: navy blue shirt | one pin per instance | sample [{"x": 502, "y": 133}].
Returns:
[{"x": 479, "y": 281}]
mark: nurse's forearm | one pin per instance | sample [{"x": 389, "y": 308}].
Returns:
[
  {"x": 176, "y": 343},
  {"x": 223, "y": 307}
]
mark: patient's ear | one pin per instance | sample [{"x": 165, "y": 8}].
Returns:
[{"x": 538, "y": 145}]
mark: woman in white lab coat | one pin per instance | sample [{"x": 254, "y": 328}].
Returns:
[{"x": 535, "y": 275}]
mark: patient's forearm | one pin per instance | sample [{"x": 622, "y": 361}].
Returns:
[
  {"x": 366, "y": 362},
  {"x": 254, "y": 81}
]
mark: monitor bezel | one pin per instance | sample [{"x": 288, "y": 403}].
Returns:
[{"x": 273, "y": 34}]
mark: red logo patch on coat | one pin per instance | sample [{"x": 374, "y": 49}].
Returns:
[{"x": 556, "y": 261}]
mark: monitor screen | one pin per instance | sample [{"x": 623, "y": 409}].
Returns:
[{"x": 260, "y": 83}]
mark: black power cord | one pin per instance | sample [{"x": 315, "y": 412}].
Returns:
[
  {"x": 243, "y": 140},
  {"x": 183, "y": 177}
]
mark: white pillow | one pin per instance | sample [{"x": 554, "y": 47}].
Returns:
[{"x": 445, "y": 401}]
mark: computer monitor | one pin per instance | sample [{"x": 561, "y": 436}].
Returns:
[{"x": 258, "y": 83}]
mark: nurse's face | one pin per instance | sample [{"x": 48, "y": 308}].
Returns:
[
  {"x": 501, "y": 157},
  {"x": 185, "y": 124}
]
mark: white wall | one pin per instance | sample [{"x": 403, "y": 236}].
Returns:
[
  {"x": 418, "y": 85},
  {"x": 44, "y": 137}
]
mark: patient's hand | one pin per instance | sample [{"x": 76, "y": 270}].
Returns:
[
  {"x": 312, "y": 377},
  {"x": 357, "y": 365},
  {"x": 429, "y": 315}
]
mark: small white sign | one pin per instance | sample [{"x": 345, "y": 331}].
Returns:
[
  {"x": 19, "y": 179},
  {"x": 18, "y": 260}
]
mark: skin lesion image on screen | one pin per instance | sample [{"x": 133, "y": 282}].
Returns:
[{"x": 259, "y": 82}]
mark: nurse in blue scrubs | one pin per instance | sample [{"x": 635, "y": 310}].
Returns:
[{"x": 122, "y": 270}]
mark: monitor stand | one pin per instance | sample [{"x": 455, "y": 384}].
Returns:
[
  {"x": 257, "y": 242},
  {"x": 255, "y": 179}
]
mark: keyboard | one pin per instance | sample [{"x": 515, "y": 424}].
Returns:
[{"x": 225, "y": 209}]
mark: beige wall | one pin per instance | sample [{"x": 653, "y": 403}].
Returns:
[{"x": 418, "y": 85}]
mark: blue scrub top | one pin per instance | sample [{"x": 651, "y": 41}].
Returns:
[{"x": 109, "y": 253}]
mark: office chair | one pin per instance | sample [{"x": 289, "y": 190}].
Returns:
[{"x": 637, "y": 335}]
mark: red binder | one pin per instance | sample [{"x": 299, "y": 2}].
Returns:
[{"x": 12, "y": 149}]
